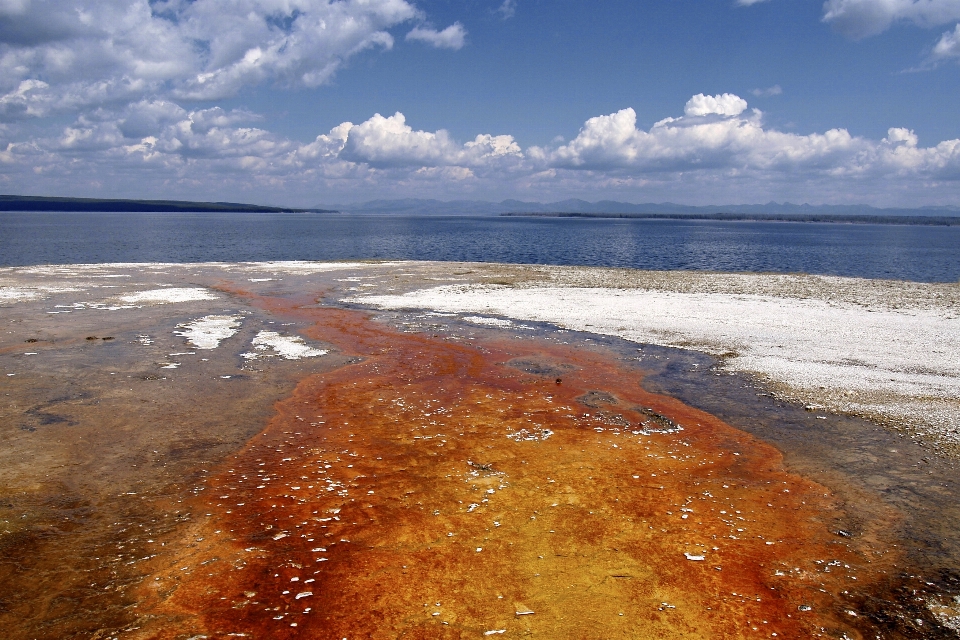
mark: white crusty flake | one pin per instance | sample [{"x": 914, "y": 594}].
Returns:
[
  {"x": 490, "y": 322},
  {"x": 172, "y": 294},
  {"x": 208, "y": 332},
  {"x": 22, "y": 294},
  {"x": 287, "y": 347}
]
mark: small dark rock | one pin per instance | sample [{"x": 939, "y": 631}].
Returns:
[
  {"x": 597, "y": 399},
  {"x": 92, "y": 338},
  {"x": 539, "y": 366},
  {"x": 658, "y": 418},
  {"x": 32, "y": 340}
]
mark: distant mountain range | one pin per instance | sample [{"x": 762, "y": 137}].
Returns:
[{"x": 611, "y": 207}]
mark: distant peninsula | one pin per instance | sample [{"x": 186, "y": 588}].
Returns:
[
  {"x": 937, "y": 221},
  {"x": 41, "y": 203}
]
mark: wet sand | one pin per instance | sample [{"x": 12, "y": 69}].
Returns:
[{"x": 425, "y": 477}]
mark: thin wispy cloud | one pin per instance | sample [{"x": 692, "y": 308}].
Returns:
[
  {"x": 859, "y": 19},
  {"x": 453, "y": 37},
  {"x": 508, "y": 9},
  {"x": 862, "y": 18},
  {"x": 769, "y": 92},
  {"x": 948, "y": 47}
]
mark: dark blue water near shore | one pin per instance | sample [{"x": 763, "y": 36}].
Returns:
[{"x": 919, "y": 253}]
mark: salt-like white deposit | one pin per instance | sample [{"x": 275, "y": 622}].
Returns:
[
  {"x": 304, "y": 267},
  {"x": 209, "y": 331},
  {"x": 287, "y": 347},
  {"x": 22, "y": 294},
  {"x": 172, "y": 294},
  {"x": 492, "y": 322},
  {"x": 887, "y": 362},
  {"x": 102, "y": 306}
]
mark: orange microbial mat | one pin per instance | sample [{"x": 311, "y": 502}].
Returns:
[{"x": 450, "y": 488}]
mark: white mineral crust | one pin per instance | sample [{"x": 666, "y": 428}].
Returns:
[{"x": 893, "y": 361}]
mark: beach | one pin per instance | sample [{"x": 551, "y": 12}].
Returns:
[{"x": 376, "y": 449}]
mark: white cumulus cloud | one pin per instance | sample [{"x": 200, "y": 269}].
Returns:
[
  {"x": 725, "y": 104},
  {"x": 94, "y": 52},
  {"x": 718, "y": 150},
  {"x": 715, "y": 137},
  {"x": 453, "y": 37},
  {"x": 391, "y": 142}
]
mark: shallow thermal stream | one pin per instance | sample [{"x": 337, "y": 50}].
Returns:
[{"x": 438, "y": 489}]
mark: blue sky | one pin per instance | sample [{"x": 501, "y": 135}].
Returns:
[{"x": 697, "y": 102}]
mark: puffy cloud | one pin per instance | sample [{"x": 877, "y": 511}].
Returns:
[
  {"x": 153, "y": 130},
  {"x": 713, "y": 138},
  {"x": 508, "y": 9},
  {"x": 862, "y": 18},
  {"x": 391, "y": 142},
  {"x": 91, "y": 52},
  {"x": 453, "y": 37},
  {"x": 28, "y": 99},
  {"x": 725, "y": 104},
  {"x": 717, "y": 150}
]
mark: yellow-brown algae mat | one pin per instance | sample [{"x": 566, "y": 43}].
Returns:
[{"x": 441, "y": 490}]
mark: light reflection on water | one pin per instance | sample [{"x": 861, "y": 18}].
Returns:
[{"x": 919, "y": 253}]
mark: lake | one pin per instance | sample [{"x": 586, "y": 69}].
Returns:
[{"x": 903, "y": 252}]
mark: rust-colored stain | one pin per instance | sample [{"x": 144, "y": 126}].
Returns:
[{"x": 437, "y": 489}]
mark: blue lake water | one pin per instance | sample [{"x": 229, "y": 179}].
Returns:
[{"x": 920, "y": 253}]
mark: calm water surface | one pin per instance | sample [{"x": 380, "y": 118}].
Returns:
[{"x": 917, "y": 253}]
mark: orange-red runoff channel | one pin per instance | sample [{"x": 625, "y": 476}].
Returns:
[{"x": 437, "y": 489}]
